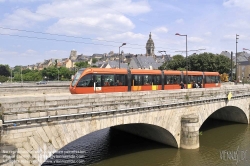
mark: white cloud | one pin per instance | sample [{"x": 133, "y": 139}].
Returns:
[
  {"x": 179, "y": 21},
  {"x": 26, "y": 1},
  {"x": 76, "y": 8},
  {"x": 55, "y": 54},
  {"x": 195, "y": 39},
  {"x": 31, "y": 56},
  {"x": 22, "y": 18},
  {"x": 242, "y": 24},
  {"x": 29, "y": 52},
  {"x": 160, "y": 30},
  {"x": 237, "y": 3},
  {"x": 95, "y": 17},
  {"x": 128, "y": 36},
  {"x": 207, "y": 33},
  {"x": 94, "y": 25}
]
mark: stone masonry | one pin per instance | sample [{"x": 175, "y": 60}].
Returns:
[{"x": 39, "y": 126}]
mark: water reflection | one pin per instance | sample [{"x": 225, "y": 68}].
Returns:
[{"x": 110, "y": 147}]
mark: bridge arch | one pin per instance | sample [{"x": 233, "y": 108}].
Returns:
[
  {"x": 149, "y": 131},
  {"x": 229, "y": 113}
]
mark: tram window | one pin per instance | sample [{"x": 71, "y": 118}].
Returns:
[
  {"x": 157, "y": 80},
  {"x": 196, "y": 78},
  {"x": 187, "y": 79},
  {"x": 172, "y": 79},
  {"x": 98, "y": 80},
  {"x": 86, "y": 81},
  {"x": 199, "y": 79},
  {"x": 121, "y": 80},
  {"x": 218, "y": 79},
  {"x": 147, "y": 79},
  {"x": 137, "y": 80},
  {"x": 77, "y": 76},
  {"x": 193, "y": 78},
  {"x": 108, "y": 80},
  {"x": 211, "y": 79}
]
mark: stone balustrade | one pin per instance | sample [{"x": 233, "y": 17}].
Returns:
[{"x": 17, "y": 108}]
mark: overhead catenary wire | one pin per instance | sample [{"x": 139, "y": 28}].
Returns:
[
  {"x": 29, "y": 31},
  {"x": 59, "y": 40}
]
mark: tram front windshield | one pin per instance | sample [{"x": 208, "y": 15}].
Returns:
[{"x": 77, "y": 76}]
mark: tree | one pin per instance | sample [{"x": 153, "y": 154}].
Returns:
[
  {"x": 209, "y": 62},
  {"x": 83, "y": 64},
  {"x": 17, "y": 69},
  {"x": 94, "y": 60},
  {"x": 51, "y": 73},
  {"x": 65, "y": 73},
  {"x": 3, "y": 78},
  {"x": 202, "y": 62},
  {"x": 4, "y": 70},
  {"x": 177, "y": 62},
  {"x": 223, "y": 64},
  {"x": 199, "y": 62},
  {"x": 32, "y": 75}
]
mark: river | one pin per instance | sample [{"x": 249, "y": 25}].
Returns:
[{"x": 221, "y": 143}]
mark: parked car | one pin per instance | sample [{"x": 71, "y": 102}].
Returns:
[{"x": 41, "y": 82}]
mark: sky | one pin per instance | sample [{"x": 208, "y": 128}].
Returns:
[{"x": 34, "y": 30}]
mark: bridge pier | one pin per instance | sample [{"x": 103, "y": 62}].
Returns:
[{"x": 189, "y": 132}]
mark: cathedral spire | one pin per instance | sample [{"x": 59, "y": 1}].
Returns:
[{"x": 150, "y": 35}]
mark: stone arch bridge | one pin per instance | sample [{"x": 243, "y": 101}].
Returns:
[{"x": 39, "y": 126}]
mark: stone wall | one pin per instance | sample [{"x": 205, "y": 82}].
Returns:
[{"x": 37, "y": 140}]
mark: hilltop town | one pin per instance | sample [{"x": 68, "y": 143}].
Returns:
[{"x": 149, "y": 60}]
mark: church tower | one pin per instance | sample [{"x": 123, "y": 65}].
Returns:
[
  {"x": 73, "y": 55},
  {"x": 150, "y": 47}
]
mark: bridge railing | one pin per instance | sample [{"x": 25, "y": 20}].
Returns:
[
  {"x": 92, "y": 113},
  {"x": 64, "y": 105}
]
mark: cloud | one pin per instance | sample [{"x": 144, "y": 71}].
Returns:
[
  {"x": 128, "y": 36},
  {"x": 92, "y": 25},
  {"x": 245, "y": 4},
  {"x": 242, "y": 24},
  {"x": 160, "y": 30},
  {"x": 195, "y": 39},
  {"x": 68, "y": 8},
  {"x": 25, "y": 1},
  {"x": 22, "y": 18},
  {"x": 179, "y": 21},
  {"x": 79, "y": 17},
  {"x": 31, "y": 56},
  {"x": 207, "y": 33}
]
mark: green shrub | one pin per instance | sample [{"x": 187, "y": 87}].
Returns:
[{"x": 3, "y": 78}]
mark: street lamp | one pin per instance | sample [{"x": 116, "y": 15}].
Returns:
[
  {"x": 186, "y": 59},
  {"x": 236, "y": 70},
  {"x": 21, "y": 76},
  {"x": 11, "y": 75},
  {"x": 123, "y": 44},
  {"x": 57, "y": 74}
]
